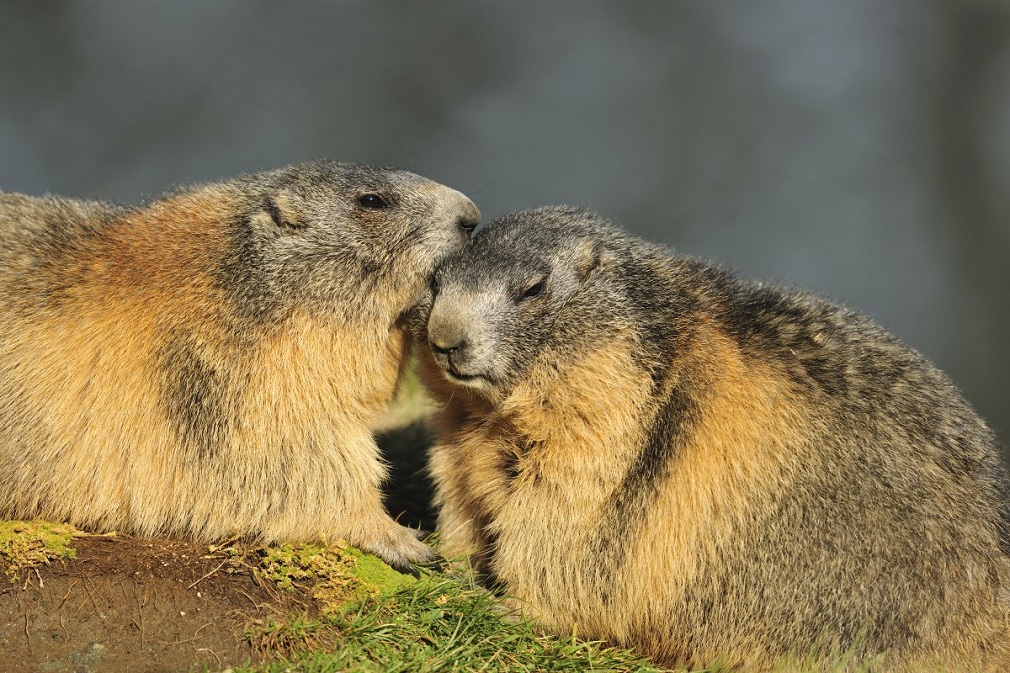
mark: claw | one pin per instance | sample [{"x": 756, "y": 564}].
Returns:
[{"x": 405, "y": 568}]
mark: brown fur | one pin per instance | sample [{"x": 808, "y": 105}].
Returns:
[
  {"x": 647, "y": 450},
  {"x": 209, "y": 365}
]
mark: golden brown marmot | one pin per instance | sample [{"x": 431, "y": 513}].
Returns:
[
  {"x": 640, "y": 446},
  {"x": 208, "y": 364}
]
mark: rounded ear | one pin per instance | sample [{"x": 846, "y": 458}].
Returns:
[
  {"x": 283, "y": 211},
  {"x": 589, "y": 254}
]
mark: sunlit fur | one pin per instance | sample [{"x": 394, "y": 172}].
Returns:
[
  {"x": 208, "y": 364},
  {"x": 706, "y": 469}
]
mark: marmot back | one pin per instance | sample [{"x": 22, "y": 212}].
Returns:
[
  {"x": 208, "y": 364},
  {"x": 639, "y": 446}
]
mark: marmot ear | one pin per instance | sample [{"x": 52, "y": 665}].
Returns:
[
  {"x": 283, "y": 211},
  {"x": 589, "y": 254}
]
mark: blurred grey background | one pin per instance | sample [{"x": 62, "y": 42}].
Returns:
[{"x": 860, "y": 148}]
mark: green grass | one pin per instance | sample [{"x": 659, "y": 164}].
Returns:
[{"x": 438, "y": 623}]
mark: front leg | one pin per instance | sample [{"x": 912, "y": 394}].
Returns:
[
  {"x": 399, "y": 546},
  {"x": 338, "y": 496},
  {"x": 370, "y": 528}
]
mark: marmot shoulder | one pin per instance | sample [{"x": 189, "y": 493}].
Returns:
[
  {"x": 643, "y": 447},
  {"x": 208, "y": 364}
]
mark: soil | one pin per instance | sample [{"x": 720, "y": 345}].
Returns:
[{"x": 132, "y": 605}]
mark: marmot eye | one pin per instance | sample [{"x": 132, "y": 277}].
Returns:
[
  {"x": 534, "y": 290},
  {"x": 372, "y": 202}
]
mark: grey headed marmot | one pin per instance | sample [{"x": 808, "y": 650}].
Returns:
[
  {"x": 208, "y": 365},
  {"x": 642, "y": 447}
]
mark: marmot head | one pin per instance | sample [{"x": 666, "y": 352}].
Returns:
[
  {"x": 533, "y": 283},
  {"x": 346, "y": 236}
]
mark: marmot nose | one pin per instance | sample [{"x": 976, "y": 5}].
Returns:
[
  {"x": 446, "y": 346},
  {"x": 468, "y": 223},
  {"x": 470, "y": 218}
]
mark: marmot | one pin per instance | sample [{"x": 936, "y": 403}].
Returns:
[
  {"x": 207, "y": 365},
  {"x": 642, "y": 447}
]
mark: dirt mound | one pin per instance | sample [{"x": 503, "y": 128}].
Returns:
[{"x": 131, "y": 605}]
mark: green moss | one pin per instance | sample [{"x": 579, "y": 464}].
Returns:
[
  {"x": 24, "y": 544},
  {"x": 336, "y": 575},
  {"x": 373, "y": 573}
]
